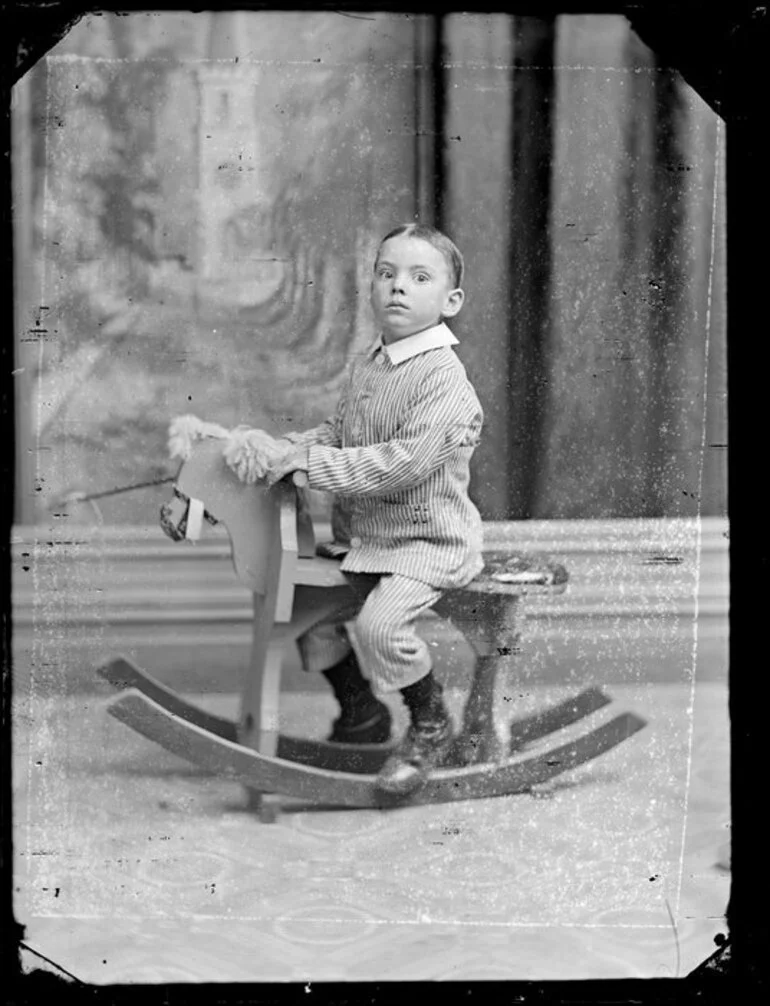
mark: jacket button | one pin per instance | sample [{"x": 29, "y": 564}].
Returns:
[{"x": 356, "y": 542}]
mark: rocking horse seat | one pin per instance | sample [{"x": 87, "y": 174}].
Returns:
[
  {"x": 294, "y": 584},
  {"x": 503, "y": 572}
]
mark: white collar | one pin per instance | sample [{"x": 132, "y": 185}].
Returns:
[{"x": 435, "y": 337}]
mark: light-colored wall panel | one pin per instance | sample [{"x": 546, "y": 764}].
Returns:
[{"x": 643, "y": 596}]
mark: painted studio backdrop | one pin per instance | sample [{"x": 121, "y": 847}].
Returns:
[{"x": 198, "y": 198}]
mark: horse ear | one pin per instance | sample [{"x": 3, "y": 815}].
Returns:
[{"x": 251, "y": 513}]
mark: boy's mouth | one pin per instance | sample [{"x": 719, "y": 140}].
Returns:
[{"x": 396, "y": 305}]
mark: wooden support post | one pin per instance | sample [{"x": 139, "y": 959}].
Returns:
[
  {"x": 260, "y": 697},
  {"x": 479, "y": 740},
  {"x": 491, "y": 623}
]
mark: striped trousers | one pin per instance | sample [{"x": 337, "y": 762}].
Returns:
[{"x": 376, "y": 620}]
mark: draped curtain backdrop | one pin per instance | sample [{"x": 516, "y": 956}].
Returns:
[
  {"x": 585, "y": 184},
  {"x": 198, "y": 197}
]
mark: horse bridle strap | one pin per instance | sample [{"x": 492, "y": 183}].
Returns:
[{"x": 182, "y": 518}]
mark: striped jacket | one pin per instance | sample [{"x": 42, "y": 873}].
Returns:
[{"x": 396, "y": 456}]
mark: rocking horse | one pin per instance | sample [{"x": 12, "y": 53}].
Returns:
[{"x": 294, "y": 583}]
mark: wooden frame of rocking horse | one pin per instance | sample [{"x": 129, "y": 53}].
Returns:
[{"x": 273, "y": 549}]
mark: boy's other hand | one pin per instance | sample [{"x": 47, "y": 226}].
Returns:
[{"x": 294, "y": 458}]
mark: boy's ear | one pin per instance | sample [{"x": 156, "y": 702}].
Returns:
[{"x": 454, "y": 301}]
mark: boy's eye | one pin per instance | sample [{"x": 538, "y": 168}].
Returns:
[{"x": 422, "y": 277}]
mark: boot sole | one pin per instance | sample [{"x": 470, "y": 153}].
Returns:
[
  {"x": 420, "y": 775},
  {"x": 374, "y": 731}
]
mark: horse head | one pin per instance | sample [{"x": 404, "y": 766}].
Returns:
[{"x": 206, "y": 489}]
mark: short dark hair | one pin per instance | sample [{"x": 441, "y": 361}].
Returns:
[{"x": 440, "y": 242}]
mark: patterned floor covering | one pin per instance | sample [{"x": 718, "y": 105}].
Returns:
[{"x": 132, "y": 866}]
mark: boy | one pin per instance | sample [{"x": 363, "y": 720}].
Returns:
[{"x": 396, "y": 456}]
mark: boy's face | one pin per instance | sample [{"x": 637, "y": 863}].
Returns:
[{"x": 412, "y": 288}]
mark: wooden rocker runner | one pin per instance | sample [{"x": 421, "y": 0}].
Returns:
[{"x": 275, "y": 555}]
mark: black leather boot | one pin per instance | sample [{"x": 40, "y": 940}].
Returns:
[
  {"x": 426, "y": 743},
  {"x": 363, "y": 718}
]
